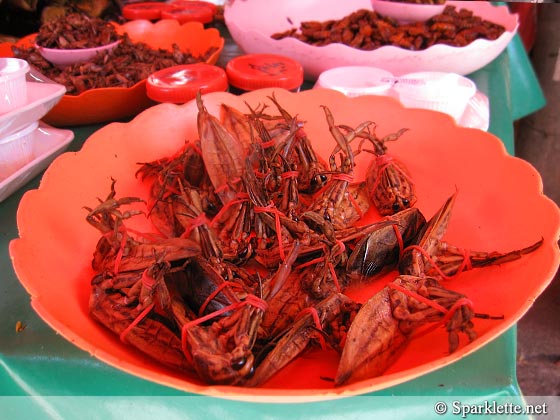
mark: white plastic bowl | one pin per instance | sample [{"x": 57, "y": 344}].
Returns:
[
  {"x": 406, "y": 12},
  {"x": 41, "y": 98},
  {"x": 63, "y": 58},
  {"x": 13, "y": 88},
  {"x": 357, "y": 80},
  {"x": 16, "y": 150},
  {"x": 252, "y": 22},
  {"x": 445, "y": 92}
]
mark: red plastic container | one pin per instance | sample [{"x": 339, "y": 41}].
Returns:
[
  {"x": 150, "y": 10},
  {"x": 180, "y": 84},
  {"x": 256, "y": 71}
]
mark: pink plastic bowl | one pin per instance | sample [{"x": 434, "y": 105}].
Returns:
[
  {"x": 406, "y": 12},
  {"x": 63, "y": 58}
]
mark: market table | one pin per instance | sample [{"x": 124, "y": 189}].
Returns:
[{"x": 43, "y": 375}]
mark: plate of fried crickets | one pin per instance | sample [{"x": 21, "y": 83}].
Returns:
[{"x": 472, "y": 194}]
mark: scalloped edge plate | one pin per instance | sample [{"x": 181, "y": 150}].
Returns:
[
  {"x": 442, "y": 157},
  {"x": 251, "y": 22},
  {"x": 112, "y": 104}
]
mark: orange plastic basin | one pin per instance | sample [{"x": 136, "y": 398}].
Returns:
[{"x": 500, "y": 206}]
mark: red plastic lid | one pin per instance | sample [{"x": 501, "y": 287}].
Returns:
[
  {"x": 198, "y": 2},
  {"x": 256, "y": 71},
  {"x": 180, "y": 84},
  {"x": 150, "y": 10},
  {"x": 190, "y": 11}
]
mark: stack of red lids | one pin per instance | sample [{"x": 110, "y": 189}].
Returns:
[
  {"x": 150, "y": 10},
  {"x": 180, "y": 10}
]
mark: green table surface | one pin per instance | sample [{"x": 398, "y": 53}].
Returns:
[{"x": 44, "y": 376}]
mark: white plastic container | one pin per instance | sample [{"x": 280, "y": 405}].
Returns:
[
  {"x": 13, "y": 88},
  {"x": 357, "y": 80},
  {"x": 63, "y": 58},
  {"x": 407, "y": 12},
  {"x": 41, "y": 98},
  {"x": 439, "y": 91},
  {"x": 16, "y": 150}
]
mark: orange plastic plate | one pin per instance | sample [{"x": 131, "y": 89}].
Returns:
[
  {"x": 500, "y": 206},
  {"x": 115, "y": 103}
]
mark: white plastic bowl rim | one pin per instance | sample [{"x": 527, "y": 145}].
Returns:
[
  {"x": 356, "y": 80},
  {"x": 407, "y": 12},
  {"x": 61, "y": 56},
  {"x": 99, "y": 47},
  {"x": 25, "y": 131},
  {"x": 13, "y": 90},
  {"x": 12, "y": 68},
  {"x": 436, "y": 86}
]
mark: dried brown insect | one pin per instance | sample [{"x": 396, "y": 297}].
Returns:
[{"x": 76, "y": 31}]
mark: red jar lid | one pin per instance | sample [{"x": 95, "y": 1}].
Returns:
[
  {"x": 198, "y": 2},
  {"x": 256, "y": 71},
  {"x": 180, "y": 84},
  {"x": 190, "y": 11},
  {"x": 150, "y": 10}
]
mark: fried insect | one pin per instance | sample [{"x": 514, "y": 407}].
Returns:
[{"x": 254, "y": 243}]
